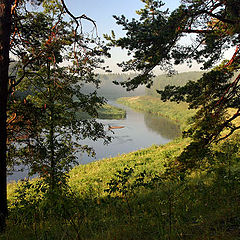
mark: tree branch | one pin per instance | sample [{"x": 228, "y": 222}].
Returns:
[
  {"x": 220, "y": 18},
  {"x": 77, "y": 18},
  {"x": 198, "y": 31}
]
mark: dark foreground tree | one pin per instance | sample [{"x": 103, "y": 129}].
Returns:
[
  {"x": 48, "y": 103},
  {"x": 19, "y": 33},
  {"x": 5, "y": 31},
  {"x": 161, "y": 39}
]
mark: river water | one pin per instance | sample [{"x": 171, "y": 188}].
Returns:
[{"x": 140, "y": 130}]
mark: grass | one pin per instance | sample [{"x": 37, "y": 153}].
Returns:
[
  {"x": 106, "y": 112},
  {"x": 111, "y": 112},
  {"x": 98, "y": 173},
  {"x": 204, "y": 206},
  {"x": 125, "y": 197}
]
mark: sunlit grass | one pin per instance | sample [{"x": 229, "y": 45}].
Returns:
[{"x": 203, "y": 206}]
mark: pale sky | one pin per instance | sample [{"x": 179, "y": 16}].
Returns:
[{"x": 102, "y": 11}]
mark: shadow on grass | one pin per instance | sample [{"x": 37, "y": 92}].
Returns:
[{"x": 203, "y": 207}]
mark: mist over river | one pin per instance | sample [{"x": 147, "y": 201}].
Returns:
[{"x": 139, "y": 130}]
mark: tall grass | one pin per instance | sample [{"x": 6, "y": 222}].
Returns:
[{"x": 128, "y": 197}]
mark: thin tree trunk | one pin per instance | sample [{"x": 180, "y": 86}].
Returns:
[
  {"x": 51, "y": 133},
  {"x": 52, "y": 158},
  {"x": 5, "y": 31}
]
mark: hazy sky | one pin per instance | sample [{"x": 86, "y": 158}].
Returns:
[{"x": 102, "y": 11}]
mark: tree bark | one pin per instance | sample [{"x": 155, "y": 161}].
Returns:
[
  {"x": 51, "y": 132},
  {"x": 5, "y": 31}
]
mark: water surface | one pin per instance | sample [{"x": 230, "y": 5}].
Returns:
[{"x": 140, "y": 130}]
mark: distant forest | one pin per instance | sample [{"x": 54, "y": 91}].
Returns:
[
  {"x": 179, "y": 79},
  {"x": 111, "y": 91}
]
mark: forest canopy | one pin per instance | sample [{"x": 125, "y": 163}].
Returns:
[{"x": 155, "y": 40}]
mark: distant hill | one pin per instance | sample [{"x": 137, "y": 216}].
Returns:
[
  {"x": 111, "y": 91},
  {"x": 180, "y": 79}
]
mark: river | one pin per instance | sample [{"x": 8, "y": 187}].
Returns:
[{"x": 140, "y": 130}]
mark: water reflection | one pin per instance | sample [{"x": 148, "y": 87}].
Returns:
[
  {"x": 140, "y": 131},
  {"x": 163, "y": 126}
]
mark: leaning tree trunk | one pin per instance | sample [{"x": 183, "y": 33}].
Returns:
[{"x": 5, "y": 30}]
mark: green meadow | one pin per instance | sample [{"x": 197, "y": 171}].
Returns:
[
  {"x": 129, "y": 197},
  {"x": 111, "y": 112},
  {"x": 107, "y": 111}
]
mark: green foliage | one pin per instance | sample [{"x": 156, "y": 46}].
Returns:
[
  {"x": 35, "y": 200},
  {"x": 46, "y": 129},
  {"x": 143, "y": 201},
  {"x": 37, "y": 208},
  {"x": 121, "y": 184},
  {"x": 147, "y": 194},
  {"x": 156, "y": 39},
  {"x": 111, "y": 112},
  {"x": 148, "y": 48},
  {"x": 106, "y": 112},
  {"x": 212, "y": 121}
]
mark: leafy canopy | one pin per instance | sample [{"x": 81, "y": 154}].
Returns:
[
  {"x": 160, "y": 38},
  {"x": 46, "y": 93}
]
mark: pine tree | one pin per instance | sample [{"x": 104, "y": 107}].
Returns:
[
  {"x": 53, "y": 93},
  {"x": 157, "y": 40},
  {"x": 40, "y": 47}
]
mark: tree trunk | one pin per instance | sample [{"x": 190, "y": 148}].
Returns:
[
  {"x": 5, "y": 31},
  {"x": 51, "y": 132}
]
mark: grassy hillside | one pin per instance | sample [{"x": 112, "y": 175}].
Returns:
[
  {"x": 127, "y": 197},
  {"x": 95, "y": 175}
]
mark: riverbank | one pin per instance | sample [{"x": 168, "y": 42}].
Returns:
[
  {"x": 108, "y": 111},
  {"x": 177, "y": 112},
  {"x": 111, "y": 112},
  {"x": 125, "y": 198}
]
